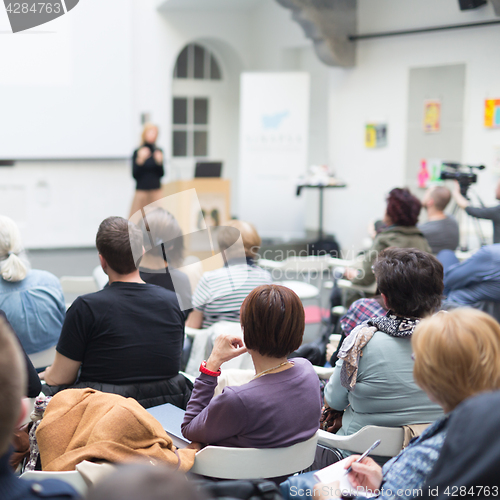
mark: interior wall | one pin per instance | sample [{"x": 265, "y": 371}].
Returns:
[
  {"x": 61, "y": 204},
  {"x": 377, "y": 90},
  {"x": 65, "y": 86}
]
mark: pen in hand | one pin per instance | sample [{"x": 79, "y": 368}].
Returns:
[{"x": 364, "y": 455}]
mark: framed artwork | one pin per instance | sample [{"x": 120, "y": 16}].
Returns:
[
  {"x": 432, "y": 116},
  {"x": 375, "y": 135},
  {"x": 492, "y": 113}
]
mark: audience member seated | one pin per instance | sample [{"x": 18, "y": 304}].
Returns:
[
  {"x": 12, "y": 413},
  {"x": 457, "y": 355},
  {"x": 160, "y": 265},
  {"x": 473, "y": 281},
  {"x": 360, "y": 311},
  {"x": 127, "y": 338},
  {"x": 401, "y": 217},
  {"x": 440, "y": 230},
  {"x": 469, "y": 459},
  {"x": 281, "y": 405},
  {"x": 216, "y": 297},
  {"x": 144, "y": 482},
  {"x": 373, "y": 379},
  {"x": 491, "y": 213},
  {"x": 33, "y": 300},
  {"x": 34, "y": 386}
]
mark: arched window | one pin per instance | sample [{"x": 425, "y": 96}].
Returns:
[
  {"x": 197, "y": 62},
  {"x": 191, "y": 104}
]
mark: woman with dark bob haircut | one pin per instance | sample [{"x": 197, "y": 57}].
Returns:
[
  {"x": 373, "y": 379},
  {"x": 281, "y": 405},
  {"x": 401, "y": 217}
]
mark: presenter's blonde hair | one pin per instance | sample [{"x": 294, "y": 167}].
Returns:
[
  {"x": 147, "y": 126},
  {"x": 14, "y": 265},
  {"x": 457, "y": 355}
]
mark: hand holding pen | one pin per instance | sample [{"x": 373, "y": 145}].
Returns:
[{"x": 364, "y": 471}]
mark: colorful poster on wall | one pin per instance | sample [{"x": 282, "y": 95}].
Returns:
[
  {"x": 375, "y": 135},
  {"x": 432, "y": 116},
  {"x": 492, "y": 113}
]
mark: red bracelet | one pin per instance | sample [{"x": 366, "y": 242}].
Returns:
[{"x": 206, "y": 371}]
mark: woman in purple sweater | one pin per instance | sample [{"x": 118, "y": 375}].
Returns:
[{"x": 281, "y": 405}]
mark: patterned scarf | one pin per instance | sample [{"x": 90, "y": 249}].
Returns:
[
  {"x": 351, "y": 349},
  {"x": 395, "y": 326}
]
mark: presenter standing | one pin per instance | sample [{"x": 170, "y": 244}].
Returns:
[{"x": 147, "y": 169}]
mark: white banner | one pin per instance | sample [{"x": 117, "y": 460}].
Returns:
[{"x": 274, "y": 116}]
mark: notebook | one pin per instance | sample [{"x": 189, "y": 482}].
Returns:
[
  {"x": 336, "y": 472},
  {"x": 170, "y": 417}
]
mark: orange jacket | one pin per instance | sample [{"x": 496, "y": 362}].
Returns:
[{"x": 84, "y": 424}]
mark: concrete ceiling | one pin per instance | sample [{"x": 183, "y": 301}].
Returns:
[{"x": 226, "y": 5}]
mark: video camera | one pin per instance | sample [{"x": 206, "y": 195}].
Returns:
[{"x": 456, "y": 171}]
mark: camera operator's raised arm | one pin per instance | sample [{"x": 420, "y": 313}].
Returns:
[{"x": 460, "y": 200}]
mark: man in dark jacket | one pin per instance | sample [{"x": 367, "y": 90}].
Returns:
[{"x": 470, "y": 458}]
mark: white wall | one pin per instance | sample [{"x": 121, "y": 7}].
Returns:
[
  {"x": 265, "y": 38},
  {"x": 65, "y": 87},
  {"x": 61, "y": 204},
  {"x": 377, "y": 89}
]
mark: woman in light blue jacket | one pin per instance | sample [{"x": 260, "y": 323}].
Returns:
[
  {"x": 373, "y": 379},
  {"x": 32, "y": 300}
]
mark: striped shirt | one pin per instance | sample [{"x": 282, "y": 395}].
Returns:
[{"x": 220, "y": 293}]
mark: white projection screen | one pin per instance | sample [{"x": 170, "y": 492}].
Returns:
[{"x": 65, "y": 86}]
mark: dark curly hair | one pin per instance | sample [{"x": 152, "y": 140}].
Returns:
[
  {"x": 411, "y": 280},
  {"x": 402, "y": 207}
]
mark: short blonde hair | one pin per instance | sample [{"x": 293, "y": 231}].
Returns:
[
  {"x": 457, "y": 355},
  {"x": 14, "y": 265},
  {"x": 147, "y": 126},
  {"x": 249, "y": 235}
]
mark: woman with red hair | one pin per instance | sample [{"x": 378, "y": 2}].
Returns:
[{"x": 401, "y": 217}]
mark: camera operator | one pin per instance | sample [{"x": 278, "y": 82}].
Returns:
[{"x": 492, "y": 213}]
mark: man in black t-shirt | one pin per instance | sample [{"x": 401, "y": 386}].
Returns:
[{"x": 128, "y": 334}]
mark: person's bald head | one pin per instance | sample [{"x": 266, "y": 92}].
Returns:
[
  {"x": 438, "y": 196},
  {"x": 12, "y": 384}
]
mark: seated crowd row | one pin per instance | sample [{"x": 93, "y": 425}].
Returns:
[{"x": 393, "y": 369}]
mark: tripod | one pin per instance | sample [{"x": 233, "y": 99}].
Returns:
[{"x": 466, "y": 222}]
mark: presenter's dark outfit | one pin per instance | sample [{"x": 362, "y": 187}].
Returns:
[{"x": 148, "y": 177}]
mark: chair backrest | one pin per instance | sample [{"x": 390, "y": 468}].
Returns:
[
  {"x": 310, "y": 264},
  {"x": 78, "y": 284},
  {"x": 43, "y": 359},
  {"x": 251, "y": 463},
  {"x": 391, "y": 440},
  {"x": 73, "y": 477},
  {"x": 100, "y": 277}
]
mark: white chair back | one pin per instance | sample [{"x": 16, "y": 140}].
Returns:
[
  {"x": 203, "y": 341},
  {"x": 252, "y": 463},
  {"x": 100, "y": 277},
  {"x": 391, "y": 440},
  {"x": 74, "y": 478},
  {"x": 43, "y": 358},
  {"x": 78, "y": 284}
]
